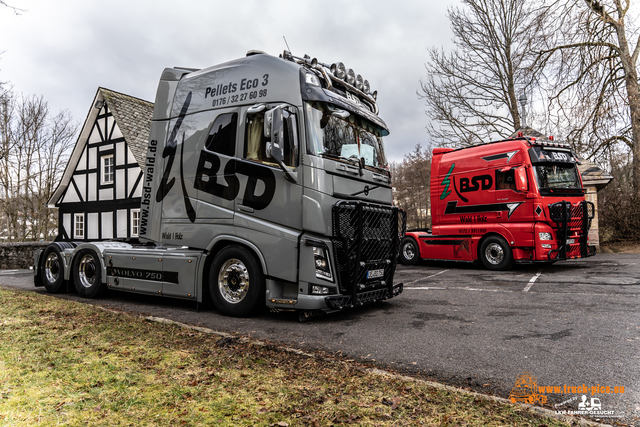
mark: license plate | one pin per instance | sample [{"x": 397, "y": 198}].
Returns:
[
  {"x": 570, "y": 241},
  {"x": 374, "y": 274}
]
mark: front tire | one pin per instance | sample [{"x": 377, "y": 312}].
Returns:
[
  {"x": 409, "y": 252},
  {"x": 52, "y": 269},
  {"x": 236, "y": 282},
  {"x": 496, "y": 254},
  {"x": 87, "y": 273}
]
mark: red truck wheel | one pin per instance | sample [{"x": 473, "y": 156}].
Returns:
[
  {"x": 409, "y": 252},
  {"x": 495, "y": 253}
]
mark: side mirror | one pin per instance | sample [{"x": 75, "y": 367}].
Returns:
[
  {"x": 274, "y": 128},
  {"x": 521, "y": 179}
]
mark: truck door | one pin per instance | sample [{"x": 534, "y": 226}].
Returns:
[
  {"x": 515, "y": 210},
  {"x": 268, "y": 207},
  {"x": 216, "y": 179},
  {"x": 195, "y": 191}
]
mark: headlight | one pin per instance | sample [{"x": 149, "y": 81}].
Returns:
[
  {"x": 351, "y": 77},
  {"x": 312, "y": 79},
  {"x": 545, "y": 236},
  {"x": 322, "y": 264},
  {"x": 319, "y": 290},
  {"x": 359, "y": 82},
  {"x": 366, "y": 87},
  {"x": 339, "y": 70}
]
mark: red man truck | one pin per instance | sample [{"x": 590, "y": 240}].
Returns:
[{"x": 516, "y": 200}]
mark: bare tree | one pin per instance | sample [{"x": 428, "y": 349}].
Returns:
[
  {"x": 411, "y": 186},
  {"x": 472, "y": 93},
  {"x": 37, "y": 146},
  {"x": 15, "y": 10},
  {"x": 591, "y": 63}
]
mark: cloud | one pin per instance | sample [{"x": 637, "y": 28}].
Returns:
[{"x": 65, "y": 49}]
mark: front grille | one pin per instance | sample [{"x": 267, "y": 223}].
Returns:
[
  {"x": 577, "y": 216},
  {"x": 365, "y": 239},
  {"x": 572, "y": 221}
]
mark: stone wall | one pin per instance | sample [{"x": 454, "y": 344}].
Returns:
[{"x": 18, "y": 255}]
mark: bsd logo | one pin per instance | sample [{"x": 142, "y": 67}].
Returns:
[
  {"x": 562, "y": 157},
  {"x": 484, "y": 182}
]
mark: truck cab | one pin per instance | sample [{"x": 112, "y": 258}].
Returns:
[
  {"x": 518, "y": 200},
  {"x": 265, "y": 183}
]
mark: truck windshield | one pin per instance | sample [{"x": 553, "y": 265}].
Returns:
[
  {"x": 351, "y": 138},
  {"x": 557, "y": 175}
]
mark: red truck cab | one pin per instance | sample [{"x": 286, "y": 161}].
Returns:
[{"x": 517, "y": 200}]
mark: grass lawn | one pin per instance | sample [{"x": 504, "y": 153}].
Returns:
[{"x": 71, "y": 364}]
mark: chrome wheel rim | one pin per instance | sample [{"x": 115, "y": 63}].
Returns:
[
  {"x": 87, "y": 271},
  {"x": 233, "y": 281},
  {"x": 408, "y": 251},
  {"x": 52, "y": 268},
  {"x": 494, "y": 253}
]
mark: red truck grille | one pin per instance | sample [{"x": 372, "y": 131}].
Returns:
[{"x": 572, "y": 221}]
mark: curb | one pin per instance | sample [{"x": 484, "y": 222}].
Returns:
[{"x": 380, "y": 372}]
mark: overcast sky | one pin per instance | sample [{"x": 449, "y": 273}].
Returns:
[{"x": 65, "y": 49}]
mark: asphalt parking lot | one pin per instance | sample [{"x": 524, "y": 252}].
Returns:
[{"x": 569, "y": 324}]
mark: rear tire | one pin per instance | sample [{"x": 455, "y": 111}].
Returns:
[
  {"x": 87, "y": 273},
  {"x": 496, "y": 254},
  {"x": 52, "y": 269},
  {"x": 236, "y": 282},
  {"x": 409, "y": 252}
]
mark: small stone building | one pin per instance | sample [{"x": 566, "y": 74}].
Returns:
[{"x": 594, "y": 179}]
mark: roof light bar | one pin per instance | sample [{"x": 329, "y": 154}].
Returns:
[
  {"x": 349, "y": 77},
  {"x": 338, "y": 71},
  {"x": 551, "y": 142}
]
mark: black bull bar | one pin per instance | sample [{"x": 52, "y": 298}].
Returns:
[
  {"x": 568, "y": 220},
  {"x": 366, "y": 240}
]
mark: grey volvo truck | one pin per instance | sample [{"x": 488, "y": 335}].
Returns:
[{"x": 265, "y": 183}]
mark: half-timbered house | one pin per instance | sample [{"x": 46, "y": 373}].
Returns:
[{"x": 99, "y": 195}]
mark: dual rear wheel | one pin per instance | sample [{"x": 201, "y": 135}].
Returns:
[{"x": 86, "y": 272}]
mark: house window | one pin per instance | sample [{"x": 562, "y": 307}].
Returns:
[
  {"x": 135, "y": 222},
  {"x": 108, "y": 170},
  {"x": 78, "y": 226}
]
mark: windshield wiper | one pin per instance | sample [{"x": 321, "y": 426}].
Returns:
[
  {"x": 337, "y": 157},
  {"x": 380, "y": 168},
  {"x": 351, "y": 160}
]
